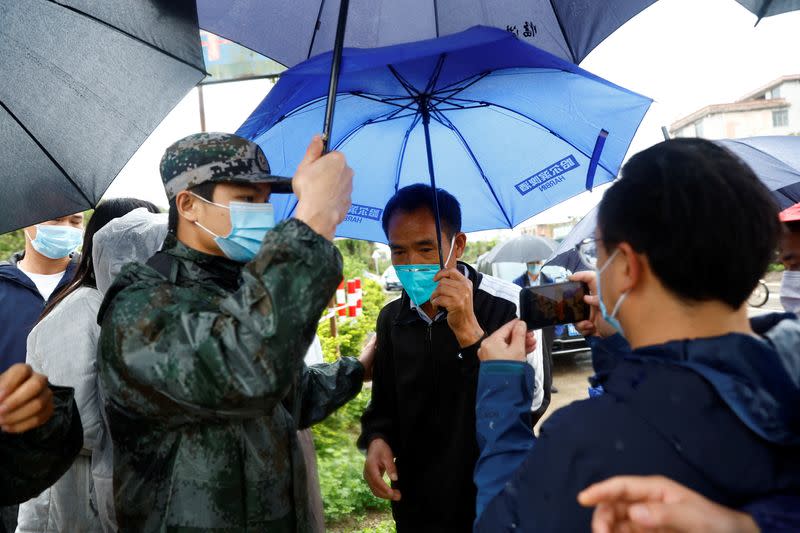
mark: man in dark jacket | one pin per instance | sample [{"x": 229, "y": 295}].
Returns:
[
  {"x": 27, "y": 281},
  {"x": 201, "y": 350},
  {"x": 40, "y": 435},
  {"x": 29, "y": 278},
  {"x": 691, "y": 392},
  {"x": 422, "y": 412}
]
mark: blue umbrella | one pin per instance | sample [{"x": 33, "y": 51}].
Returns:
[
  {"x": 484, "y": 95},
  {"x": 774, "y": 159},
  {"x": 291, "y": 32},
  {"x": 509, "y": 129}
]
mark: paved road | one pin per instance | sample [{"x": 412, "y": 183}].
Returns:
[{"x": 570, "y": 373}]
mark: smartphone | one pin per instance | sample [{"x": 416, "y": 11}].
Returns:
[{"x": 553, "y": 305}]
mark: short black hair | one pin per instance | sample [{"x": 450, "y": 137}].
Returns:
[
  {"x": 204, "y": 190},
  {"x": 707, "y": 225},
  {"x": 419, "y": 196}
]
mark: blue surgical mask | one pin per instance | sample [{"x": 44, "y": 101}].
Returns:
[
  {"x": 534, "y": 269},
  {"x": 249, "y": 224},
  {"x": 56, "y": 242},
  {"x": 612, "y": 318},
  {"x": 417, "y": 280}
]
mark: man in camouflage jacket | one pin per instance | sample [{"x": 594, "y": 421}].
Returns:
[{"x": 201, "y": 356}]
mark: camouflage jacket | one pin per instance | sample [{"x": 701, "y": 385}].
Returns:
[
  {"x": 32, "y": 461},
  {"x": 205, "y": 384}
]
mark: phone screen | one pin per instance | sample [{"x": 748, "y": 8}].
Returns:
[{"x": 553, "y": 305}]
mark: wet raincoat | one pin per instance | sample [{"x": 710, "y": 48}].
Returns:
[
  {"x": 201, "y": 359},
  {"x": 63, "y": 346},
  {"x": 718, "y": 415}
]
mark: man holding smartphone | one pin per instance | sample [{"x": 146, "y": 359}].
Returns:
[
  {"x": 419, "y": 427},
  {"x": 692, "y": 392}
]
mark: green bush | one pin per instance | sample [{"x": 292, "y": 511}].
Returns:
[
  {"x": 11, "y": 243},
  {"x": 344, "y": 491}
]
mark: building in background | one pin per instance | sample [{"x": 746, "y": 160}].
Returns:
[{"x": 773, "y": 109}]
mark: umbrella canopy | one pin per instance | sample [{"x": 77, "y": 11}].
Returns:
[
  {"x": 83, "y": 85},
  {"x": 510, "y": 130},
  {"x": 768, "y": 8},
  {"x": 291, "y": 32},
  {"x": 774, "y": 159},
  {"x": 520, "y": 249}
]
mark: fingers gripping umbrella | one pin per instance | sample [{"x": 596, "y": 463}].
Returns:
[
  {"x": 508, "y": 129},
  {"x": 84, "y": 83}
]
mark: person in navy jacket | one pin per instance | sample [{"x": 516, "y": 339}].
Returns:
[{"x": 691, "y": 392}]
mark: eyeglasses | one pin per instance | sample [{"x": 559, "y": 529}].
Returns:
[{"x": 587, "y": 251}]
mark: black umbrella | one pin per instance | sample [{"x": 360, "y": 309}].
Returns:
[
  {"x": 768, "y": 8},
  {"x": 83, "y": 84}
]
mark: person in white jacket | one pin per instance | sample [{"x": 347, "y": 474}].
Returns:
[{"x": 63, "y": 346}]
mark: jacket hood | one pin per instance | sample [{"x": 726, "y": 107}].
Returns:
[{"x": 758, "y": 379}]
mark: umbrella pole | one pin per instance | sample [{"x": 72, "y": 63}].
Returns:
[
  {"x": 336, "y": 64},
  {"x": 426, "y": 119}
]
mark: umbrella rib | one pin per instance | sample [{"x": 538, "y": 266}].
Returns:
[
  {"x": 437, "y": 71},
  {"x": 402, "y": 154},
  {"x": 46, "y": 153},
  {"x": 563, "y": 32},
  {"x": 406, "y": 85},
  {"x": 444, "y": 121},
  {"x": 551, "y": 132},
  {"x": 316, "y": 29},
  {"x": 130, "y": 35},
  {"x": 764, "y": 8},
  {"x": 457, "y": 90},
  {"x": 380, "y": 100}
]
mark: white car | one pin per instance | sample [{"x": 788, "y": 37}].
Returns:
[{"x": 390, "y": 280}]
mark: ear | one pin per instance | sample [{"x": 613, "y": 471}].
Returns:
[
  {"x": 187, "y": 206},
  {"x": 460, "y": 244},
  {"x": 634, "y": 267}
]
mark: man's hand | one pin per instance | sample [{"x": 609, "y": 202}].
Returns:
[
  {"x": 367, "y": 357},
  {"x": 595, "y": 325},
  {"x": 632, "y": 504},
  {"x": 454, "y": 293},
  {"x": 505, "y": 344},
  {"x": 380, "y": 460},
  {"x": 323, "y": 185},
  {"x": 26, "y": 401}
]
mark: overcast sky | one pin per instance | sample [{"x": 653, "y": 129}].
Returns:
[{"x": 685, "y": 54}]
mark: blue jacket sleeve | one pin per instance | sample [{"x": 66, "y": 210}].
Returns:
[
  {"x": 503, "y": 418},
  {"x": 777, "y": 513}
]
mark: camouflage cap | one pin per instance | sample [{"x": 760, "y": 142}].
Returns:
[{"x": 218, "y": 158}]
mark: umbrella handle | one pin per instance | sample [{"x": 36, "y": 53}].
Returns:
[
  {"x": 336, "y": 64},
  {"x": 426, "y": 119}
]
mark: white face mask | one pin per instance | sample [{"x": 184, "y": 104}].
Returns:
[{"x": 790, "y": 291}]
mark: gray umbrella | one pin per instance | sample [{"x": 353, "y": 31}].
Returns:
[
  {"x": 768, "y": 8},
  {"x": 522, "y": 249},
  {"x": 774, "y": 159},
  {"x": 83, "y": 84}
]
